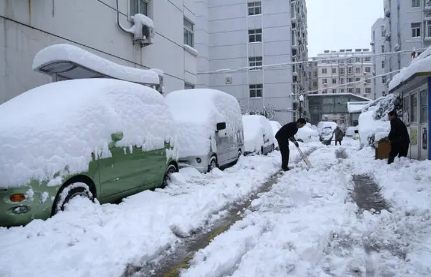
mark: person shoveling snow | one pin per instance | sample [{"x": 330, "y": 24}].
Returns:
[{"x": 286, "y": 133}]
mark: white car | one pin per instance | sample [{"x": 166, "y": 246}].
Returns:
[
  {"x": 258, "y": 135},
  {"x": 307, "y": 134},
  {"x": 350, "y": 131},
  {"x": 275, "y": 127}
]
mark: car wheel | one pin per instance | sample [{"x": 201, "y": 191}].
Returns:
[
  {"x": 68, "y": 193},
  {"x": 212, "y": 164},
  {"x": 171, "y": 169}
]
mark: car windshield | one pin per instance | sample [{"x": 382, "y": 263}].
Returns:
[{"x": 327, "y": 131}]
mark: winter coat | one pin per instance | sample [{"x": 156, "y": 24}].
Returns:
[
  {"x": 286, "y": 132},
  {"x": 398, "y": 133},
  {"x": 338, "y": 134}
]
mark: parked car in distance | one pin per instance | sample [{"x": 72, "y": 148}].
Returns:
[
  {"x": 94, "y": 138},
  {"x": 209, "y": 127},
  {"x": 350, "y": 131},
  {"x": 307, "y": 134},
  {"x": 258, "y": 135},
  {"x": 275, "y": 125}
]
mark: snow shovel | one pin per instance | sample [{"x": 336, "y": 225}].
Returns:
[{"x": 304, "y": 158}]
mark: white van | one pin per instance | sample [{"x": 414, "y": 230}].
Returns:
[{"x": 209, "y": 127}]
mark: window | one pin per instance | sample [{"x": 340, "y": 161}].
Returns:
[
  {"x": 256, "y": 90},
  {"x": 358, "y": 60},
  {"x": 334, "y": 90},
  {"x": 414, "y": 108},
  {"x": 255, "y": 63},
  {"x": 342, "y": 71},
  {"x": 383, "y": 49},
  {"x": 357, "y": 79},
  {"x": 368, "y": 81},
  {"x": 334, "y": 71},
  {"x": 416, "y": 3},
  {"x": 350, "y": 80},
  {"x": 342, "y": 80},
  {"x": 324, "y": 81},
  {"x": 188, "y": 33},
  {"x": 324, "y": 70},
  {"x": 383, "y": 64},
  {"x": 255, "y": 35},
  {"x": 428, "y": 28},
  {"x": 368, "y": 69},
  {"x": 424, "y": 106},
  {"x": 368, "y": 90},
  {"x": 342, "y": 90},
  {"x": 350, "y": 90},
  {"x": 254, "y": 8},
  {"x": 358, "y": 90},
  {"x": 416, "y": 30},
  {"x": 358, "y": 70},
  {"x": 188, "y": 86},
  {"x": 367, "y": 59},
  {"x": 350, "y": 70},
  {"x": 139, "y": 6},
  {"x": 325, "y": 91},
  {"x": 383, "y": 79},
  {"x": 334, "y": 81},
  {"x": 382, "y": 29}
]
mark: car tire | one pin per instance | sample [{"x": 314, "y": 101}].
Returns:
[
  {"x": 171, "y": 169},
  {"x": 68, "y": 192},
  {"x": 212, "y": 163}
]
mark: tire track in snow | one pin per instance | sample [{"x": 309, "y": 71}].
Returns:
[{"x": 172, "y": 263}]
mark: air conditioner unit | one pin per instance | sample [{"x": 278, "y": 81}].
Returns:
[{"x": 142, "y": 29}]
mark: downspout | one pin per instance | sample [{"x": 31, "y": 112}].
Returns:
[{"x": 118, "y": 20}]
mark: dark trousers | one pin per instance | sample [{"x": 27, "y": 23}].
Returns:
[
  {"x": 339, "y": 141},
  {"x": 285, "y": 152},
  {"x": 398, "y": 149}
]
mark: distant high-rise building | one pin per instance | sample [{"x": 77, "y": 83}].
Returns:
[
  {"x": 245, "y": 36},
  {"x": 379, "y": 62}
]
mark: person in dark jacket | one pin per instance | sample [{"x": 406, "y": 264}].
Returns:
[
  {"x": 338, "y": 135},
  {"x": 398, "y": 137},
  {"x": 286, "y": 133}
]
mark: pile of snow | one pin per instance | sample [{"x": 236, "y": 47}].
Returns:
[
  {"x": 59, "y": 125},
  {"x": 256, "y": 128},
  {"x": 421, "y": 64},
  {"x": 355, "y": 107},
  {"x": 67, "y": 52},
  {"x": 89, "y": 240},
  {"x": 306, "y": 133},
  {"x": 196, "y": 113},
  {"x": 275, "y": 125}
]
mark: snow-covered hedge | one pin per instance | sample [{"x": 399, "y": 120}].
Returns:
[{"x": 55, "y": 128}]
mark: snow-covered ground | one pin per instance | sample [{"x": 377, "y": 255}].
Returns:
[
  {"x": 306, "y": 225},
  {"x": 100, "y": 240}
]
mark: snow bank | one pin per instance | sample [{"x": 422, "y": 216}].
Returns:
[
  {"x": 59, "y": 125},
  {"x": 101, "y": 240},
  {"x": 255, "y": 127},
  {"x": 197, "y": 112},
  {"x": 421, "y": 64},
  {"x": 368, "y": 127},
  {"x": 67, "y": 52}
]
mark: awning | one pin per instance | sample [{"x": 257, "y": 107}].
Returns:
[{"x": 66, "y": 61}]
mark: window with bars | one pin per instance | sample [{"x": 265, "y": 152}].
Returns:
[
  {"x": 255, "y": 63},
  {"x": 254, "y": 8},
  {"x": 188, "y": 32},
  {"x": 255, "y": 35},
  {"x": 139, "y": 6},
  {"x": 256, "y": 90}
]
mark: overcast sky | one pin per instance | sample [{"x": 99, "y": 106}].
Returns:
[{"x": 341, "y": 24}]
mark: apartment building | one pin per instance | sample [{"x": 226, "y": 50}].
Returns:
[
  {"x": 345, "y": 71},
  {"x": 255, "y": 42},
  {"x": 379, "y": 62},
  {"x": 99, "y": 27},
  {"x": 407, "y": 27}
]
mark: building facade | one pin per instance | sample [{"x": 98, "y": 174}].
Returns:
[
  {"x": 345, "y": 71},
  {"x": 407, "y": 27},
  {"x": 246, "y": 49},
  {"x": 26, "y": 27},
  {"x": 378, "y": 48}
]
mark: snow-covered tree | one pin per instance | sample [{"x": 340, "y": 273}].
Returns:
[{"x": 268, "y": 111}]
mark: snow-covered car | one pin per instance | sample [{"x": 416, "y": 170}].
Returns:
[
  {"x": 275, "y": 125},
  {"x": 209, "y": 127},
  {"x": 95, "y": 138},
  {"x": 326, "y": 134},
  {"x": 258, "y": 135},
  {"x": 307, "y": 134},
  {"x": 350, "y": 131},
  {"x": 324, "y": 124}
]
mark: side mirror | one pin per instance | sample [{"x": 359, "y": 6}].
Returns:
[
  {"x": 221, "y": 126},
  {"x": 117, "y": 136}
]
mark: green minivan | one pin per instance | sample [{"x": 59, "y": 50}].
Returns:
[{"x": 102, "y": 139}]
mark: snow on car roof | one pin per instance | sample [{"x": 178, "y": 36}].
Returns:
[
  {"x": 69, "y": 53},
  {"x": 197, "y": 112},
  {"x": 58, "y": 125}
]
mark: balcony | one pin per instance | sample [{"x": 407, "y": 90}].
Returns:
[{"x": 427, "y": 6}]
